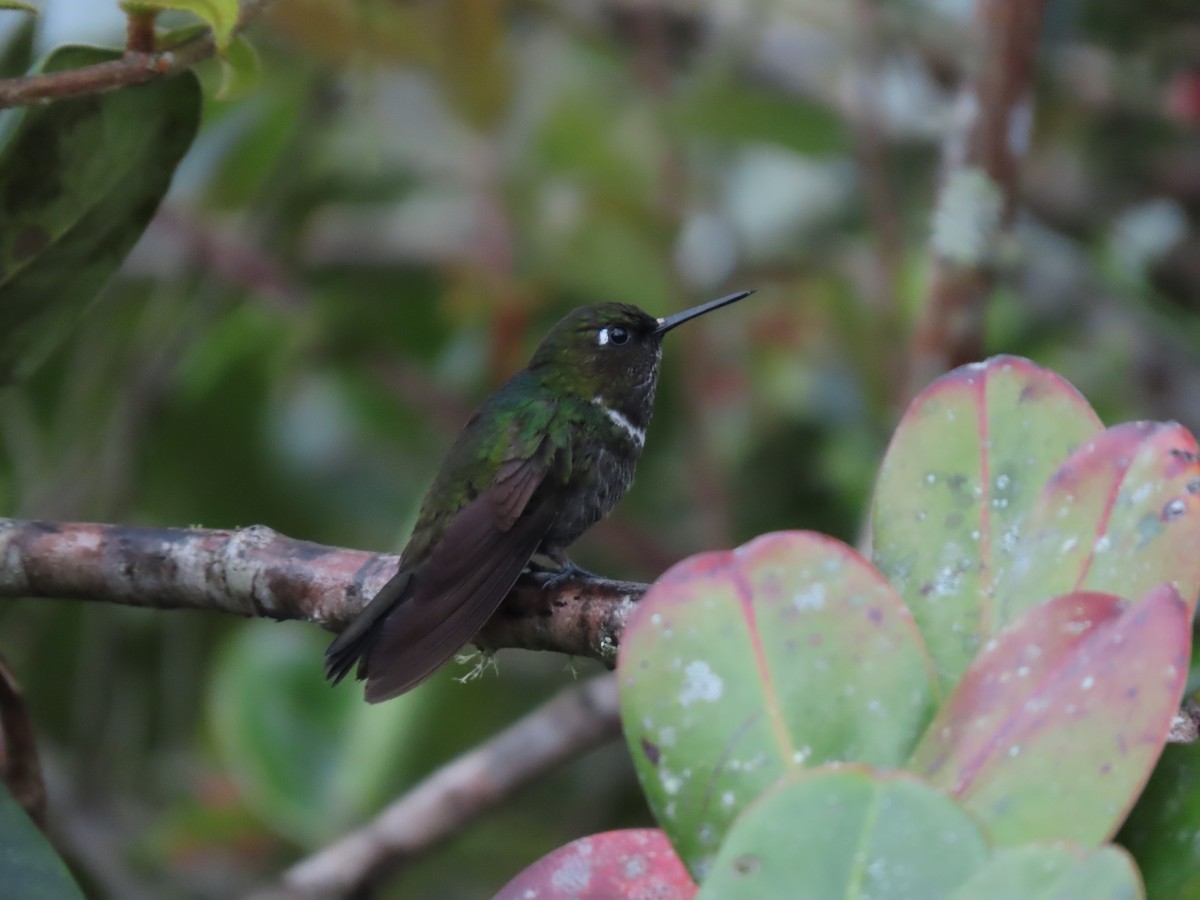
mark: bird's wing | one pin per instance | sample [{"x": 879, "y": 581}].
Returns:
[{"x": 425, "y": 614}]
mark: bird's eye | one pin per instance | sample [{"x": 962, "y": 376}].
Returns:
[{"x": 618, "y": 335}]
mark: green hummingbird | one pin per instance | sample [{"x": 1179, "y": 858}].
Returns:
[{"x": 542, "y": 460}]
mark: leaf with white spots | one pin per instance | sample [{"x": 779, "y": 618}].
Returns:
[
  {"x": 1054, "y": 872},
  {"x": 966, "y": 464},
  {"x": 738, "y": 667},
  {"x": 1121, "y": 515},
  {"x": 849, "y": 833},
  {"x": 1056, "y": 726},
  {"x": 632, "y": 863}
]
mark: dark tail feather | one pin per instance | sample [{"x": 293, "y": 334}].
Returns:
[
  {"x": 353, "y": 644},
  {"x": 462, "y": 584}
]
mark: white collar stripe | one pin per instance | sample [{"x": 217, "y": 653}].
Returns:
[{"x": 637, "y": 435}]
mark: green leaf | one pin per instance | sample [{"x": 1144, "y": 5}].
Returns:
[
  {"x": 965, "y": 465},
  {"x": 1161, "y": 831},
  {"x": 1054, "y": 872},
  {"x": 79, "y": 181},
  {"x": 308, "y": 758},
  {"x": 220, "y": 15},
  {"x": 240, "y": 69},
  {"x": 1056, "y": 726},
  {"x": 847, "y": 833},
  {"x": 19, "y": 6},
  {"x": 29, "y": 867},
  {"x": 738, "y": 667},
  {"x": 16, "y": 53},
  {"x": 1121, "y": 515}
]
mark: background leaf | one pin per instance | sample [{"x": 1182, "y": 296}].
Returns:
[
  {"x": 1161, "y": 831},
  {"x": 308, "y": 759},
  {"x": 240, "y": 69},
  {"x": 738, "y": 667},
  {"x": 964, "y": 467},
  {"x": 79, "y": 181}
]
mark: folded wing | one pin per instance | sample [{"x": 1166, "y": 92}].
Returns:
[{"x": 423, "y": 616}]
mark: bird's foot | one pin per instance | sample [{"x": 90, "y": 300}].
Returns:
[
  {"x": 560, "y": 569},
  {"x": 568, "y": 571},
  {"x": 480, "y": 661}
]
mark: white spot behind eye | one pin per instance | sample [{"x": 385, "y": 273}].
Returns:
[{"x": 602, "y": 337}]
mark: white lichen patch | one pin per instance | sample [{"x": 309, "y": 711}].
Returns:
[
  {"x": 575, "y": 874},
  {"x": 671, "y": 783},
  {"x": 636, "y": 866},
  {"x": 700, "y": 683},
  {"x": 811, "y": 599},
  {"x": 947, "y": 582}
]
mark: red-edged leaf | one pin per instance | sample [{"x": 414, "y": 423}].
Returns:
[
  {"x": 739, "y": 666},
  {"x": 1121, "y": 515},
  {"x": 966, "y": 463},
  {"x": 1056, "y": 726},
  {"x": 636, "y": 863}
]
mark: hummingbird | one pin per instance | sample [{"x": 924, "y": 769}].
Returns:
[{"x": 544, "y": 458}]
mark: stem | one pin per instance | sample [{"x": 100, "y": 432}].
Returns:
[{"x": 135, "y": 68}]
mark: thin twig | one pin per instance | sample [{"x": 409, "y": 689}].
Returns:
[
  {"x": 981, "y": 159},
  {"x": 258, "y": 572},
  {"x": 20, "y": 769},
  {"x": 573, "y": 722},
  {"x": 133, "y": 68}
]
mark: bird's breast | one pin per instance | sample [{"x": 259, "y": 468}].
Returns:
[{"x": 603, "y": 472}]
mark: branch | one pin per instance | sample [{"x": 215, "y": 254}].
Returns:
[
  {"x": 573, "y": 722},
  {"x": 258, "y": 572},
  {"x": 133, "y": 68},
  {"x": 981, "y": 160},
  {"x": 19, "y": 766}
]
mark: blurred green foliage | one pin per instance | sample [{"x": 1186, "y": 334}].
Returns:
[{"x": 364, "y": 243}]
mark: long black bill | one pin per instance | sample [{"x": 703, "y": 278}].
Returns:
[{"x": 666, "y": 324}]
